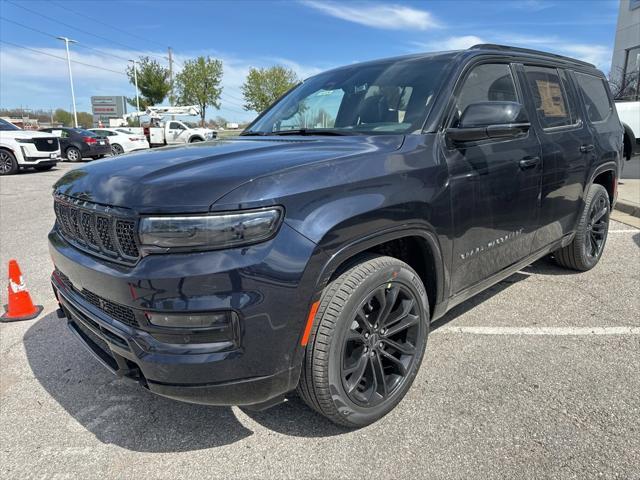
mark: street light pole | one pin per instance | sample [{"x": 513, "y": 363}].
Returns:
[{"x": 67, "y": 41}]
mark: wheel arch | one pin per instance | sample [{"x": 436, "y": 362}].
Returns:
[
  {"x": 414, "y": 245},
  {"x": 195, "y": 138},
  {"x": 628, "y": 141},
  {"x": 607, "y": 176}
]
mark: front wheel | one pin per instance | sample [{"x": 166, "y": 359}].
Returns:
[
  {"x": 195, "y": 139},
  {"x": 8, "y": 163},
  {"x": 367, "y": 342},
  {"x": 584, "y": 252}
]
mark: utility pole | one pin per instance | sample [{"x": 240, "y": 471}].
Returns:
[
  {"x": 135, "y": 79},
  {"x": 171, "y": 75},
  {"x": 67, "y": 41}
]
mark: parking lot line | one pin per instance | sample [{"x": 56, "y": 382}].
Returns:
[
  {"x": 631, "y": 230},
  {"x": 560, "y": 331}
]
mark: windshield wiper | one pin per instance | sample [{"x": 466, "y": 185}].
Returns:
[{"x": 312, "y": 131}]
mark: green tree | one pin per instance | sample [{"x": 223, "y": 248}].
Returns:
[
  {"x": 199, "y": 84},
  {"x": 153, "y": 82},
  {"x": 85, "y": 120},
  {"x": 264, "y": 86},
  {"x": 63, "y": 117}
]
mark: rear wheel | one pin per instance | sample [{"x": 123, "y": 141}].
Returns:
[
  {"x": 367, "y": 342},
  {"x": 116, "y": 149},
  {"x": 73, "y": 154},
  {"x": 8, "y": 163},
  {"x": 584, "y": 252}
]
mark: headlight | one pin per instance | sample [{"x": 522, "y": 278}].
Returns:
[{"x": 212, "y": 231}]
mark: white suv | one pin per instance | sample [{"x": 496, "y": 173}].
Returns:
[{"x": 26, "y": 149}]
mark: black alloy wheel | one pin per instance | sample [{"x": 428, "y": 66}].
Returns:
[
  {"x": 597, "y": 227},
  {"x": 366, "y": 342},
  {"x": 380, "y": 346}
]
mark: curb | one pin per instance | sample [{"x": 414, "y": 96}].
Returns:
[{"x": 628, "y": 208}]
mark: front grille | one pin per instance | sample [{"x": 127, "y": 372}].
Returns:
[
  {"x": 114, "y": 310},
  {"x": 46, "y": 144},
  {"x": 97, "y": 230}
]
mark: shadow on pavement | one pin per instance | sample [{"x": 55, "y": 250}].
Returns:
[
  {"x": 122, "y": 413},
  {"x": 636, "y": 238}
]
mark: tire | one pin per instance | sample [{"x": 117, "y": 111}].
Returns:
[
  {"x": 98, "y": 157},
  {"x": 116, "y": 149},
  {"x": 73, "y": 154},
  {"x": 42, "y": 168},
  {"x": 347, "y": 353},
  {"x": 195, "y": 139},
  {"x": 8, "y": 163},
  {"x": 584, "y": 252}
]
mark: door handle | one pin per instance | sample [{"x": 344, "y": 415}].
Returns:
[
  {"x": 529, "y": 162},
  {"x": 586, "y": 148}
]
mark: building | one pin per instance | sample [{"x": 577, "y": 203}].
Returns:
[
  {"x": 104, "y": 108},
  {"x": 625, "y": 64}
]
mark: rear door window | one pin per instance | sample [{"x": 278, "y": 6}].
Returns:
[
  {"x": 596, "y": 99},
  {"x": 549, "y": 97}
]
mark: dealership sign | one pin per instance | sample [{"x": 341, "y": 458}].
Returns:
[{"x": 104, "y": 108}]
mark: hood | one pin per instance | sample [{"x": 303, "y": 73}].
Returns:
[
  {"x": 191, "y": 178},
  {"x": 25, "y": 134}
]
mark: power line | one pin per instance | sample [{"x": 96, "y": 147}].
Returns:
[
  {"x": 129, "y": 47},
  {"x": 61, "y": 58},
  {"x": 93, "y": 19},
  {"x": 101, "y": 52}
]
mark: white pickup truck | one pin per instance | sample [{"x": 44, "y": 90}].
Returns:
[
  {"x": 21, "y": 149},
  {"x": 175, "y": 132},
  {"x": 171, "y": 132},
  {"x": 629, "y": 114}
]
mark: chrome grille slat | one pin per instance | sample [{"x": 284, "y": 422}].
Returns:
[{"x": 97, "y": 229}]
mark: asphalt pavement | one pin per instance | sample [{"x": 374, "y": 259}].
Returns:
[{"x": 538, "y": 377}]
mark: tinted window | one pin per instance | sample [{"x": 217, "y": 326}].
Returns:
[
  {"x": 175, "y": 126},
  {"x": 595, "y": 96},
  {"x": 486, "y": 83},
  {"x": 549, "y": 97},
  {"x": 7, "y": 126}
]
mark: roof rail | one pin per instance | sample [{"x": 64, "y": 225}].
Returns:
[{"x": 492, "y": 46}]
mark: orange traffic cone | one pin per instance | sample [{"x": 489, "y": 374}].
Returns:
[{"x": 20, "y": 305}]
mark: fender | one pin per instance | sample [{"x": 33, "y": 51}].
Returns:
[
  {"x": 369, "y": 241},
  {"x": 611, "y": 166},
  {"x": 633, "y": 142}
]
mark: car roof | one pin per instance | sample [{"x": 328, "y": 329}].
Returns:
[{"x": 481, "y": 49}]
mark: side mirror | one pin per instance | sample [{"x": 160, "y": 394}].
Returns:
[{"x": 484, "y": 120}]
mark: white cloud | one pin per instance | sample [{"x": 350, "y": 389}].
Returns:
[
  {"x": 34, "y": 80},
  {"x": 599, "y": 55},
  {"x": 377, "y": 15}
]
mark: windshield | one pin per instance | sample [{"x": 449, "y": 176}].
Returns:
[
  {"x": 7, "y": 126},
  {"x": 379, "y": 98}
]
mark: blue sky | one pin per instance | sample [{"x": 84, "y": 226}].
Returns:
[{"x": 306, "y": 35}]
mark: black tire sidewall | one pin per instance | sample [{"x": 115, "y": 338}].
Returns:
[
  {"x": 14, "y": 163},
  {"x": 590, "y": 262},
  {"x": 349, "y": 411},
  {"x": 116, "y": 149}
]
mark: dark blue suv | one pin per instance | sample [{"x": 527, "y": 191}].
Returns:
[{"x": 313, "y": 251}]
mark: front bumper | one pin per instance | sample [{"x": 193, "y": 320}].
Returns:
[{"x": 263, "y": 284}]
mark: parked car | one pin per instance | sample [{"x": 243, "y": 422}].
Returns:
[
  {"x": 122, "y": 141},
  {"x": 20, "y": 149},
  {"x": 78, "y": 143},
  {"x": 314, "y": 251},
  {"x": 629, "y": 113}
]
